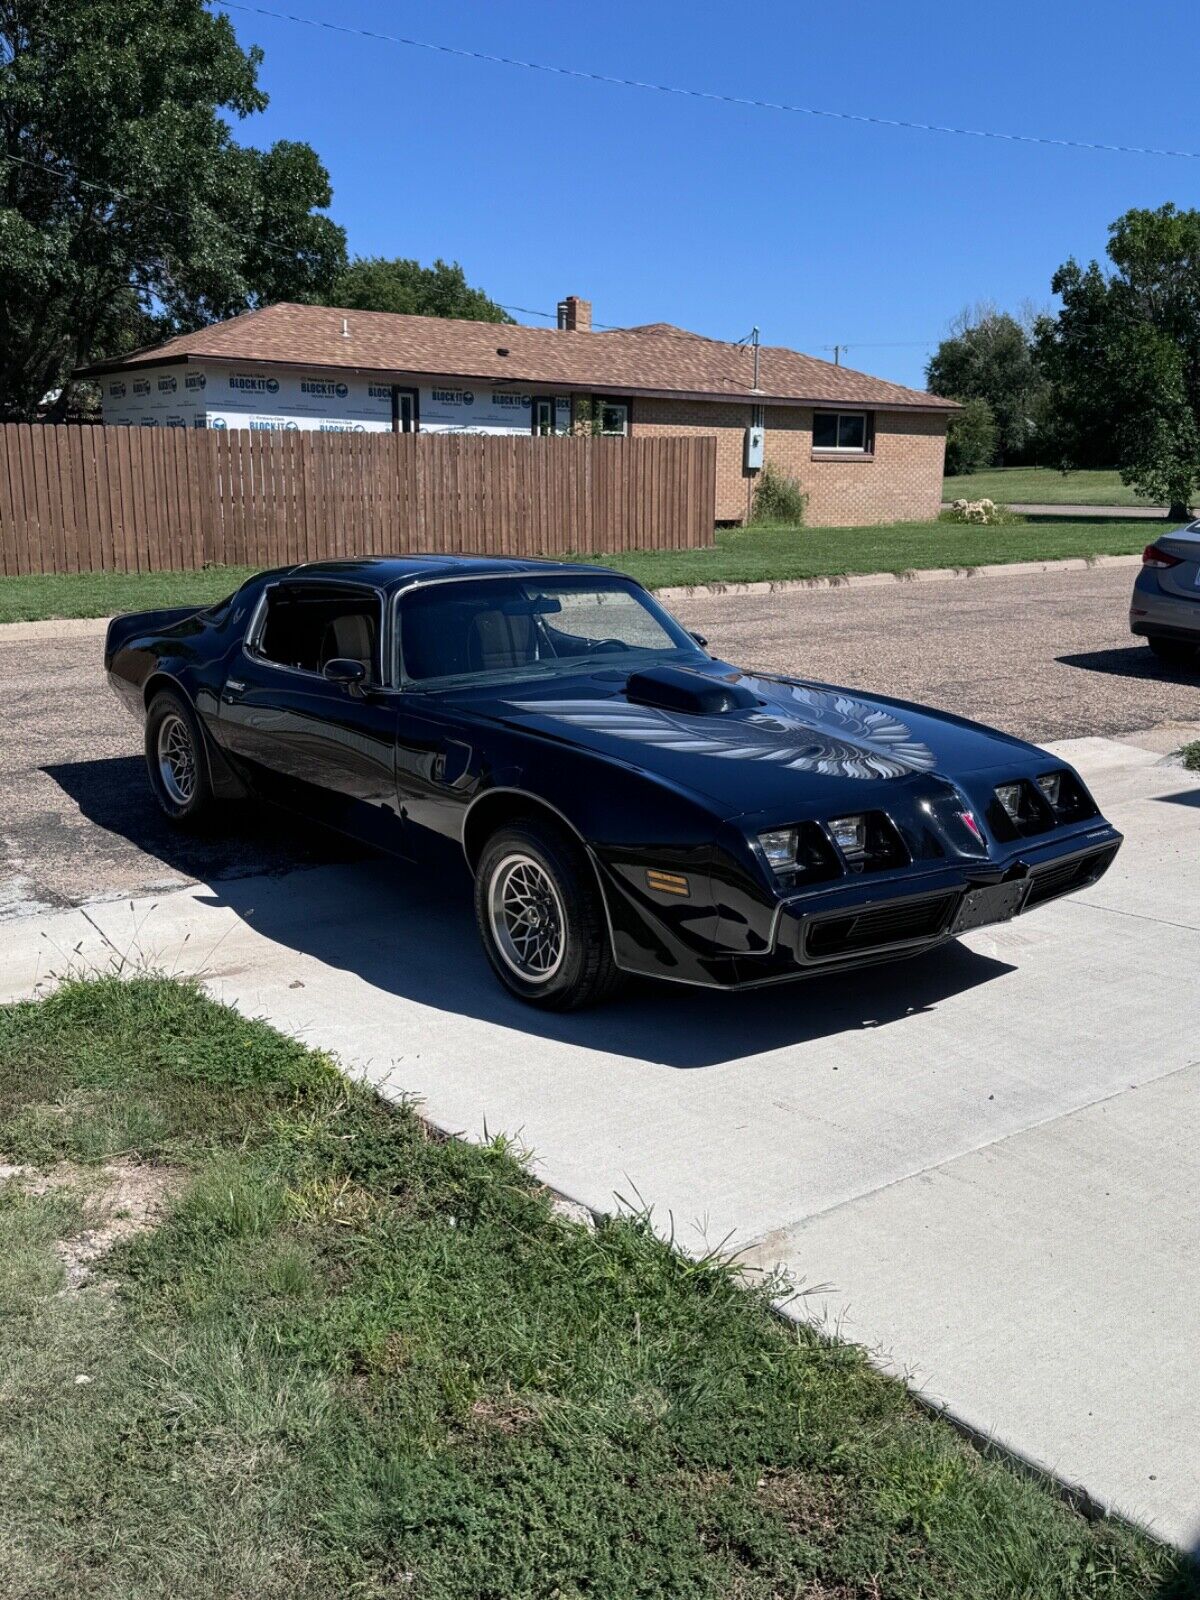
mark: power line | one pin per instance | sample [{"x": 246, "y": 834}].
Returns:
[
  {"x": 275, "y": 248},
  {"x": 282, "y": 250},
  {"x": 707, "y": 94},
  {"x": 881, "y": 344}
]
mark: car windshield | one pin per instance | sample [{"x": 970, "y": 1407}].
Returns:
[{"x": 496, "y": 629}]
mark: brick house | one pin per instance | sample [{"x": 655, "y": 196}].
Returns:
[{"x": 865, "y": 450}]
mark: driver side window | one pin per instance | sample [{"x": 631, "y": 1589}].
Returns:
[{"x": 307, "y": 626}]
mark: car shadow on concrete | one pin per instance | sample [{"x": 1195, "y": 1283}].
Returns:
[
  {"x": 115, "y": 796},
  {"x": 1132, "y": 661},
  {"x": 408, "y": 930}
]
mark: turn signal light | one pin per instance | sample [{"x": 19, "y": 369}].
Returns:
[
  {"x": 1152, "y": 556},
  {"x": 667, "y": 882}
]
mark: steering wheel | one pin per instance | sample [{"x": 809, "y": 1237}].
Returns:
[{"x": 603, "y": 646}]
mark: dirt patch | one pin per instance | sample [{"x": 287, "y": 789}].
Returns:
[
  {"x": 808, "y": 1506},
  {"x": 506, "y": 1414},
  {"x": 121, "y": 1200}
]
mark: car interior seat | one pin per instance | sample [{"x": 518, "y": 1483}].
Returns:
[
  {"x": 348, "y": 638},
  {"x": 498, "y": 639}
]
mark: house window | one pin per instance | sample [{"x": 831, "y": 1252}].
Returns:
[
  {"x": 850, "y": 431},
  {"x": 404, "y": 410},
  {"x": 614, "y": 418},
  {"x": 542, "y": 415}
]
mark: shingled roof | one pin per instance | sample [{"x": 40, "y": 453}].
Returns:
[{"x": 656, "y": 359}]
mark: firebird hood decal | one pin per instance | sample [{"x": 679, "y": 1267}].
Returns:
[{"x": 805, "y": 729}]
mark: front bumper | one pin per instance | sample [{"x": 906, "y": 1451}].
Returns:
[
  {"x": 847, "y": 928},
  {"x": 842, "y": 924}
]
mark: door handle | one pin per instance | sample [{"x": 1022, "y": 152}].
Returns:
[{"x": 233, "y": 686}]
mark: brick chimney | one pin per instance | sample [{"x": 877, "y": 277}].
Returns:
[{"x": 575, "y": 315}]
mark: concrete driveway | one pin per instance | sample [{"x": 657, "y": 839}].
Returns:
[{"x": 982, "y": 1165}]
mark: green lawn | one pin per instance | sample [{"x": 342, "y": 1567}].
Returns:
[
  {"x": 746, "y": 555},
  {"x": 740, "y": 555},
  {"x": 353, "y": 1359},
  {"x": 1038, "y": 486}
]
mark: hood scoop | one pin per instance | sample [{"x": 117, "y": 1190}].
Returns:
[{"x": 694, "y": 693}]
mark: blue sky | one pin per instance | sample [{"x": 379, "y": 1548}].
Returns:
[{"x": 718, "y": 217}]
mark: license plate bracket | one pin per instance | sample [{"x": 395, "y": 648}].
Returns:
[{"x": 994, "y": 902}]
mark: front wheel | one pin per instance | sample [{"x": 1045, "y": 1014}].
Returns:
[
  {"x": 1175, "y": 652},
  {"x": 541, "y": 918},
  {"x": 175, "y": 760}
]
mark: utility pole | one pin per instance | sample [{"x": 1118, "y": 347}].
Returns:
[{"x": 837, "y": 354}]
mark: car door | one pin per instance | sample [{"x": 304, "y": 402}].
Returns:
[{"x": 322, "y": 748}]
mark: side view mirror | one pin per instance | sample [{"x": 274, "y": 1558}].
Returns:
[
  {"x": 700, "y": 639},
  {"x": 349, "y": 674}
]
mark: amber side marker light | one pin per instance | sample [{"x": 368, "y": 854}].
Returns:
[{"x": 667, "y": 882}]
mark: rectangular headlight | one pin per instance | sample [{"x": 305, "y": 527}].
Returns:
[
  {"x": 779, "y": 847},
  {"x": 1051, "y": 787},
  {"x": 850, "y": 835},
  {"x": 1009, "y": 796}
]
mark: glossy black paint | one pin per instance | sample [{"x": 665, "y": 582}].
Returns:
[{"x": 677, "y": 768}]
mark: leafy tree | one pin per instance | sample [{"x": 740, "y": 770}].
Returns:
[
  {"x": 127, "y": 211},
  {"x": 1123, "y": 356},
  {"x": 377, "y": 283},
  {"x": 989, "y": 356},
  {"x": 971, "y": 437}
]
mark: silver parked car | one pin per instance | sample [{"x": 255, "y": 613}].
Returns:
[{"x": 1165, "y": 608}]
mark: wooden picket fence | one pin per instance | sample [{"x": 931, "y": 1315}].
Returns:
[{"x": 94, "y": 499}]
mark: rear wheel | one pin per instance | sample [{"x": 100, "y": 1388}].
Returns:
[
  {"x": 1176, "y": 652},
  {"x": 176, "y": 762},
  {"x": 541, "y": 918}
]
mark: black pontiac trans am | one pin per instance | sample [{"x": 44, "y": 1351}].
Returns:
[{"x": 626, "y": 803}]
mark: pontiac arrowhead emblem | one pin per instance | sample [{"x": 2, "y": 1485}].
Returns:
[{"x": 969, "y": 818}]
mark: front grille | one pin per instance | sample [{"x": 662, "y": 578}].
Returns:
[
  {"x": 879, "y": 928},
  {"x": 1065, "y": 876}
]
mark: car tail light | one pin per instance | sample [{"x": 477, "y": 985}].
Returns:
[{"x": 1152, "y": 556}]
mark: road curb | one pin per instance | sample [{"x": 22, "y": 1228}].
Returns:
[
  {"x": 54, "y": 628},
  {"x": 95, "y": 627},
  {"x": 866, "y": 580},
  {"x": 1052, "y": 508}
]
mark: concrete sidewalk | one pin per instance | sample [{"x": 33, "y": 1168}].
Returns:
[
  {"x": 989, "y": 1156},
  {"x": 1056, "y": 508}
]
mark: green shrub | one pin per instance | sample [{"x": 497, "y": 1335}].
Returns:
[{"x": 778, "y": 498}]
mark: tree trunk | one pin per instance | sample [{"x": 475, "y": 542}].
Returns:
[{"x": 1179, "y": 512}]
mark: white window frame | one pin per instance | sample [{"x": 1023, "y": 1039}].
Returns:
[
  {"x": 866, "y": 448},
  {"x": 615, "y": 433}
]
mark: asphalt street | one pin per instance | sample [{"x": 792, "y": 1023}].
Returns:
[{"x": 1046, "y": 656}]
